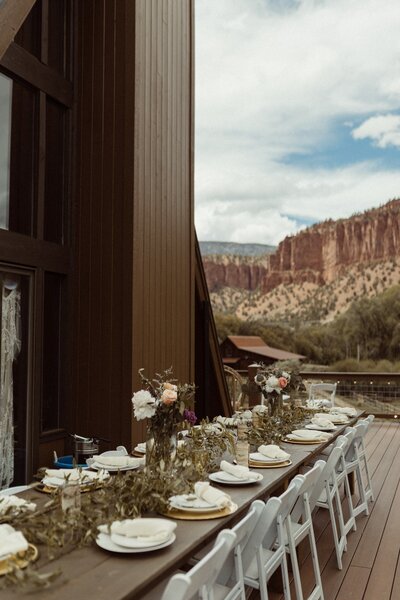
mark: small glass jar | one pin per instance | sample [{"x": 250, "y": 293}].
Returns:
[{"x": 71, "y": 497}]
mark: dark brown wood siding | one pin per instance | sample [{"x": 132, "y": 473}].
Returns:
[
  {"x": 102, "y": 315},
  {"x": 163, "y": 257},
  {"x": 133, "y": 303}
]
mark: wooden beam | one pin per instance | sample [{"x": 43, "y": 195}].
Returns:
[
  {"x": 26, "y": 66},
  {"x": 12, "y": 16}
]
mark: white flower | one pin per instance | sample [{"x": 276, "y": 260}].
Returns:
[
  {"x": 272, "y": 384},
  {"x": 144, "y": 406}
]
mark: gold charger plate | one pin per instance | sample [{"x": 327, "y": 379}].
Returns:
[
  {"x": 52, "y": 490},
  {"x": 305, "y": 442},
  {"x": 198, "y": 516},
  {"x": 20, "y": 560},
  {"x": 260, "y": 465}
]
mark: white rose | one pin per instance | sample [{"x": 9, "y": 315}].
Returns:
[
  {"x": 272, "y": 384},
  {"x": 144, "y": 406}
]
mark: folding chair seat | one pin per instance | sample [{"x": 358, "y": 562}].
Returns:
[
  {"x": 265, "y": 551},
  {"x": 299, "y": 526},
  {"x": 326, "y": 493}
]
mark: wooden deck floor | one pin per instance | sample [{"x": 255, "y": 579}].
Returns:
[{"x": 371, "y": 569}]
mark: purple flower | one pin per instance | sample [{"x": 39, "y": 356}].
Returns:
[{"x": 189, "y": 416}]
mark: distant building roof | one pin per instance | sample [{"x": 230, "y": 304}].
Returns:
[{"x": 256, "y": 345}]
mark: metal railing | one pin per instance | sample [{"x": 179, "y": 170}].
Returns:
[{"x": 376, "y": 393}]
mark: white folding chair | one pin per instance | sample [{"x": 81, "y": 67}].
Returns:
[
  {"x": 355, "y": 458},
  {"x": 230, "y": 581},
  {"x": 327, "y": 389},
  {"x": 326, "y": 493},
  {"x": 362, "y": 453},
  {"x": 199, "y": 582},
  {"x": 299, "y": 526},
  {"x": 265, "y": 550}
]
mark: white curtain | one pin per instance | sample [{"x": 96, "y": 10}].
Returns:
[{"x": 10, "y": 347}]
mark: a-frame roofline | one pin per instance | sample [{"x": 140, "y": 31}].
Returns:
[{"x": 12, "y": 15}]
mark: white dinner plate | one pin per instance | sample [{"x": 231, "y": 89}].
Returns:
[
  {"x": 104, "y": 541},
  {"x": 131, "y": 542},
  {"x": 318, "y": 428},
  {"x": 182, "y": 503},
  {"x": 227, "y": 478},
  {"x": 258, "y": 457}
]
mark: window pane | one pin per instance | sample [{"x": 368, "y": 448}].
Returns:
[
  {"x": 29, "y": 35},
  {"x": 55, "y": 175},
  {"x": 18, "y": 115},
  {"x": 5, "y": 136},
  {"x": 51, "y": 351},
  {"x": 58, "y": 35}
]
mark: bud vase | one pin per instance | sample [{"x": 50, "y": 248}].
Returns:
[{"x": 161, "y": 444}]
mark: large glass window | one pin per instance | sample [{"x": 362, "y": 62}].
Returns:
[
  {"x": 18, "y": 112},
  {"x": 5, "y": 136}
]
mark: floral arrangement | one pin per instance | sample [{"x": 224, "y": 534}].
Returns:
[
  {"x": 164, "y": 400},
  {"x": 275, "y": 380},
  {"x": 166, "y": 404}
]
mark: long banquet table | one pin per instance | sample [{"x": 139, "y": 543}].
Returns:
[{"x": 91, "y": 572}]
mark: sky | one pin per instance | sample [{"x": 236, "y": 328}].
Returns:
[{"x": 297, "y": 114}]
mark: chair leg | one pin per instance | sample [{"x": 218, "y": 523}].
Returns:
[
  {"x": 335, "y": 532},
  {"x": 351, "y": 521},
  {"x": 295, "y": 570},
  {"x": 363, "y": 506},
  {"x": 285, "y": 577},
  {"x": 318, "y": 592},
  {"x": 369, "y": 490}
]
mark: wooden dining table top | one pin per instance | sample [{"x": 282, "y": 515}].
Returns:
[{"x": 90, "y": 572}]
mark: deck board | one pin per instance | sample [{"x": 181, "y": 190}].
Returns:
[{"x": 371, "y": 565}]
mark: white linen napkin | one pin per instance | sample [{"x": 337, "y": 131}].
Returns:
[
  {"x": 238, "y": 471},
  {"x": 58, "y": 477},
  {"x": 273, "y": 451},
  {"x": 309, "y": 434},
  {"x": 143, "y": 530},
  {"x": 11, "y": 541},
  {"x": 322, "y": 422},
  {"x": 15, "y": 502},
  {"x": 334, "y": 417},
  {"x": 116, "y": 461},
  {"x": 206, "y": 492},
  {"x": 345, "y": 410}
]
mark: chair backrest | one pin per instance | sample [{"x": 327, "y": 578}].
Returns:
[
  {"x": 360, "y": 429},
  {"x": 201, "y": 578},
  {"x": 274, "y": 513},
  {"x": 235, "y": 386},
  {"x": 301, "y": 508},
  {"x": 243, "y": 531},
  {"x": 318, "y": 388},
  {"x": 328, "y": 472}
]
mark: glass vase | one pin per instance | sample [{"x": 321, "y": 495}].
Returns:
[{"x": 161, "y": 444}]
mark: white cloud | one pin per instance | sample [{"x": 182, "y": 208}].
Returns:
[
  {"x": 275, "y": 78},
  {"x": 384, "y": 130}
]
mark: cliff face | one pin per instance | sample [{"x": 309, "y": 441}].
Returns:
[{"x": 317, "y": 255}]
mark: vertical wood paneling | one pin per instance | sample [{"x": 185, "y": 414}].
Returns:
[
  {"x": 163, "y": 303},
  {"x": 133, "y": 305},
  {"x": 103, "y": 245}
]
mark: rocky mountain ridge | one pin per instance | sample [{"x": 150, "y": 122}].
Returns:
[{"x": 352, "y": 256}]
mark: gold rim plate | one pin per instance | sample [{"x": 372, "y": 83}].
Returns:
[
  {"x": 189, "y": 516},
  {"x": 19, "y": 561},
  {"x": 305, "y": 442},
  {"x": 260, "y": 465}
]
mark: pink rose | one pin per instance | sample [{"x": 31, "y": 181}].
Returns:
[
  {"x": 169, "y": 396},
  {"x": 282, "y": 382}
]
